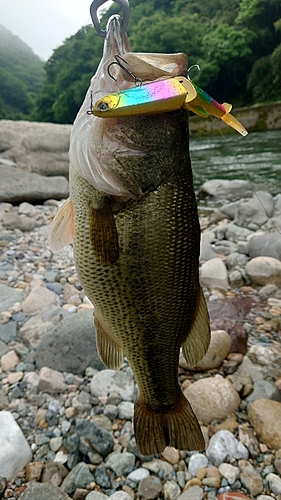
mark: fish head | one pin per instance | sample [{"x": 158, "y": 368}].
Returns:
[{"x": 99, "y": 147}]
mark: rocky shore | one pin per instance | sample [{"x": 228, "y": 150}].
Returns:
[{"x": 66, "y": 422}]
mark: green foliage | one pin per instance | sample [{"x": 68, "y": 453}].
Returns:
[
  {"x": 68, "y": 71},
  {"x": 237, "y": 44},
  {"x": 21, "y": 76}
]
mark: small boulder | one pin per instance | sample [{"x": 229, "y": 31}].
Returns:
[
  {"x": 218, "y": 350},
  {"x": 265, "y": 417},
  {"x": 213, "y": 274},
  {"x": 212, "y": 398},
  {"x": 264, "y": 271}
]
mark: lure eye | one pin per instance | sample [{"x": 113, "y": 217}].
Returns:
[{"x": 103, "y": 106}]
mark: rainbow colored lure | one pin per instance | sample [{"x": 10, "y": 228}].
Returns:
[
  {"x": 151, "y": 98},
  {"x": 162, "y": 96}
]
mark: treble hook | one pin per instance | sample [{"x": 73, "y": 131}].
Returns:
[
  {"x": 191, "y": 67},
  {"x": 93, "y": 11},
  {"x": 118, "y": 58}
]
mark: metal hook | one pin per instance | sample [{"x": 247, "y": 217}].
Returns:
[
  {"x": 93, "y": 11},
  {"x": 118, "y": 58},
  {"x": 191, "y": 67}
]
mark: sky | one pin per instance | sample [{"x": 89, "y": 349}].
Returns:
[{"x": 45, "y": 24}]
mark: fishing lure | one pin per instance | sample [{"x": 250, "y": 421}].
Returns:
[
  {"x": 162, "y": 96},
  {"x": 159, "y": 96}
]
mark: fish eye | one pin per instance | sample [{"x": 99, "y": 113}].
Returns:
[{"x": 103, "y": 106}]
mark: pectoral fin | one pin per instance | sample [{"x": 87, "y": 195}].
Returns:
[
  {"x": 62, "y": 227},
  {"x": 103, "y": 234},
  {"x": 109, "y": 351},
  {"x": 196, "y": 344}
]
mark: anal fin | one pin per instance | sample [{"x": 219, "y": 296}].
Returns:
[
  {"x": 109, "y": 351},
  {"x": 197, "y": 342},
  {"x": 103, "y": 234},
  {"x": 62, "y": 227}
]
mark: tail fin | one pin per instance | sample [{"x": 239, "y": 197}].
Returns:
[
  {"x": 234, "y": 123},
  {"x": 175, "y": 426}
]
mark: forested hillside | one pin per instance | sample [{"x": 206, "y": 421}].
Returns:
[
  {"x": 237, "y": 44},
  {"x": 21, "y": 76}
]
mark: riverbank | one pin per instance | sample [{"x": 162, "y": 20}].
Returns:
[
  {"x": 71, "y": 420},
  {"x": 254, "y": 118}
]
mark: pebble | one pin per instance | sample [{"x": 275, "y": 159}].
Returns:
[
  {"x": 193, "y": 493},
  {"x": 79, "y": 477},
  {"x": 197, "y": 461},
  {"x": 107, "y": 381},
  {"x": 137, "y": 475},
  {"x": 150, "y": 488},
  {"x": 90, "y": 417},
  {"x": 9, "y": 361},
  {"x": 171, "y": 490},
  {"x": 51, "y": 381},
  {"x": 121, "y": 463},
  {"x": 230, "y": 472},
  {"x": 222, "y": 445}
]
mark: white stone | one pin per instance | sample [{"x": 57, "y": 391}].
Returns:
[
  {"x": 61, "y": 457},
  {"x": 107, "y": 381},
  {"x": 171, "y": 490},
  {"x": 222, "y": 445},
  {"x": 96, "y": 495},
  {"x": 15, "y": 452},
  {"x": 197, "y": 461},
  {"x": 138, "y": 474},
  {"x": 126, "y": 410},
  {"x": 264, "y": 271},
  {"x": 230, "y": 472},
  {"x": 32, "y": 379},
  {"x": 9, "y": 360},
  {"x": 55, "y": 443},
  {"x": 121, "y": 495},
  {"x": 213, "y": 274},
  {"x": 274, "y": 483}
]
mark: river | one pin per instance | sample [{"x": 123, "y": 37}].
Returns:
[{"x": 256, "y": 157}]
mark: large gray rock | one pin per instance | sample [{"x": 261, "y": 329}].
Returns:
[
  {"x": 267, "y": 245},
  {"x": 70, "y": 346},
  {"x": 17, "y": 185},
  {"x": 43, "y": 491},
  {"x": 236, "y": 233},
  {"x": 36, "y": 147},
  {"x": 225, "y": 190},
  {"x": 255, "y": 212},
  {"x": 8, "y": 297}
]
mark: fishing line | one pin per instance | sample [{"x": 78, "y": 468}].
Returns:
[{"x": 246, "y": 175}]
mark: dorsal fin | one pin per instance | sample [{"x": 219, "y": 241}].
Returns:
[{"x": 227, "y": 107}]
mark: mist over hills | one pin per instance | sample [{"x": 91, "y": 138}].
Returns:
[{"x": 21, "y": 75}]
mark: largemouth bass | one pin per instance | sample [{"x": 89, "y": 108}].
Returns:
[{"x": 132, "y": 215}]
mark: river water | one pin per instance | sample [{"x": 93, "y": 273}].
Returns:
[{"x": 256, "y": 157}]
